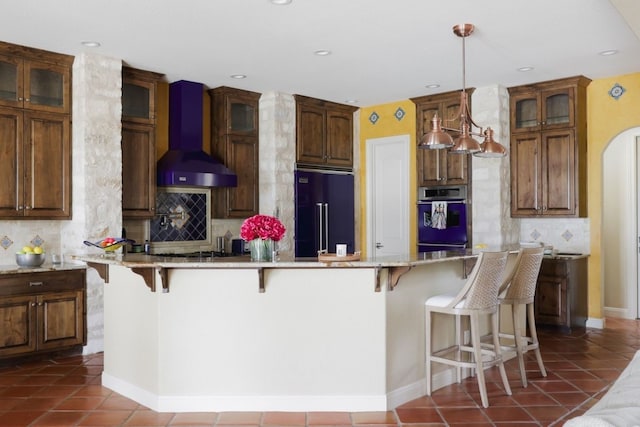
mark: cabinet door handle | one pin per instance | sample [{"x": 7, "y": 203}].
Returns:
[
  {"x": 36, "y": 283},
  {"x": 33, "y": 304}
]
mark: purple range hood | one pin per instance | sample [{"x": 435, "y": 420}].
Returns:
[{"x": 186, "y": 163}]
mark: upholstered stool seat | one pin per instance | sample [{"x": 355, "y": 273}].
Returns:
[{"x": 478, "y": 297}]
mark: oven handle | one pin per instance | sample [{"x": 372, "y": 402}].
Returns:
[{"x": 453, "y": 202}]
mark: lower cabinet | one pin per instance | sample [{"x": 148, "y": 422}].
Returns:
[
  {"x": 42, "y": 312},
  {"x": 561, "y": 293}
]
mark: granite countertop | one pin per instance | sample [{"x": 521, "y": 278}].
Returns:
[
  {"x": 16, "y": 269},
  {"x": 142, "y": 260}
]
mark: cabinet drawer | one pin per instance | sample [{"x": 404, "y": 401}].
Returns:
[
  {"x": 25, "y": 283},
  {"x": 553, "y": 267}
]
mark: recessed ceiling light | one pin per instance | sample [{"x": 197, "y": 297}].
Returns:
[
  {"x": 90, "y": 43},
  {"x": 608, "y": 52},
  {"x": 351, "y": 101},
  {"x": 525, "y": 69},
  {"x": 433, "y": 86},
  {"x": 238, "y": 76},
  {"x": 322, "y": 52},
  {"x": 281, "y": 2}
]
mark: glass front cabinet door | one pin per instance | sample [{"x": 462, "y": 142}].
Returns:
[
  {"x": 34, "y": 85},
  {"x": 543, "y": 110}
]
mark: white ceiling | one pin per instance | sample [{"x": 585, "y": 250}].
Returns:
[{"x": 382, "y": 51}]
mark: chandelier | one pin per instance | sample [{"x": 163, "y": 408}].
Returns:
[{"x": 438, "y": 137}]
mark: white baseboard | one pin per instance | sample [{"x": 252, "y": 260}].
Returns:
[
  {"x": 619, "y": 313},
  {"x": 595, "y": 323},
  {"x": 328, "y": 403}
]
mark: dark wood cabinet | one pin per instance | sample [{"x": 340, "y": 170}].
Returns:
[
  {"x": 139, "y": 89},
  {"x": 561, "y": 293},
  {"x": 440, "y": 167},
  {"x": 234, "y": 140},
  {"x": 324, "y": 133},
  {"x": 42, "y": 312},
  {"x": 548, "y": 149},
  {"x": 35, "y": 133}
]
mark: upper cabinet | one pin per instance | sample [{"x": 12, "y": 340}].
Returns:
[
  {"x": 234, "y": 140},
  {"x": 139, "y": 93},
  {"x": 324, "y": 133},
  {"x": 548, "y": 148},
  {"x": 440, "y": 167},
  {"x": 34, "y": 79},
  {"x": 35, "y": 133}
]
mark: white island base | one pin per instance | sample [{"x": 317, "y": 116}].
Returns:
[{"x": 316, "y": 339}]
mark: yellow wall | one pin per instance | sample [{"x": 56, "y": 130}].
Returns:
[
  {"x": 388, "y": 125},
  {"x": 606, "y": 118}
]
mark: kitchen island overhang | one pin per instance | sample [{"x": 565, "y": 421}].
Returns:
[{"x": 321, "y": 337}]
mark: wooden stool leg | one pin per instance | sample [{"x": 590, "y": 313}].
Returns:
[
  {"x": 477, "y": 351},
  {"x": 519, "y": 340},
  {"x": 534, "y": 338},
  {"x": 427, "y": 329},
  {"x": 495, "y": 331}
]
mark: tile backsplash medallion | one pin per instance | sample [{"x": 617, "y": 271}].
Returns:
[
  {"x": 16, "y": 234},
  {"x": 564, "y": 234}
]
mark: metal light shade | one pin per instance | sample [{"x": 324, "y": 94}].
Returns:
[
  {"x": 490, "y": 148},
  {"x": 465, "y": 144},
  {"x": 437, "y": 138}
]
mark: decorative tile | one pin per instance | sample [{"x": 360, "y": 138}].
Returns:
[
  {"x": 567, "y": 235},
  {"x": 374, "y": 117},
  {"x": 535, "y": 235},
  {"x": 37, "y": 241},
  {"x": 616, "y": 91},
  {"x": 6, "y": 242},
  {"x": 399, "y": 114},
  {"x": 172, "y": 227}
]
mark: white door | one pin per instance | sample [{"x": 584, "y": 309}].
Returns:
[{"x": 387, "y": 185}]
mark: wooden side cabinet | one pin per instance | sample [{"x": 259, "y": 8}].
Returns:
[
  {"x": 35, "y": 133},
  {"x": 42, "y": 312},
  {"x": 139, "y": 90},
  {"x": 440, "y": 167},
  {"x": 561, "y": 293},
  {"x": 324, "y": 133},
  {"x": 234, "y": 140},
  {"x": 548, "y": 149}
]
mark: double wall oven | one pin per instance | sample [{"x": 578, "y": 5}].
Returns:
[{"x": 443, "y": 218}]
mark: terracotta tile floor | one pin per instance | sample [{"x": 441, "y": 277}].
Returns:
[{"x": 581, "y": 366}]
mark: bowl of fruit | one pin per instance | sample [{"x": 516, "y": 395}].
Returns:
[
  {"x": 30, "y": 256},
  {"x": 108, "y": 244}
]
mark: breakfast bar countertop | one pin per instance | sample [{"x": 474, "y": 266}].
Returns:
[{"x": 242, "y": 262}]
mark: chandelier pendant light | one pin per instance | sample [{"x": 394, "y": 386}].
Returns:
[{"x": 437, "y": 138}]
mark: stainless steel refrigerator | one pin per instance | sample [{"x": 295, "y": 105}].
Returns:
[{"x": 324, "y": 214}]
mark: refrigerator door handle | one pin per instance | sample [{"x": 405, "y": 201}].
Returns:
[
  {"x": 320, "y": 226},
  {"x": 326, "y": 227}
]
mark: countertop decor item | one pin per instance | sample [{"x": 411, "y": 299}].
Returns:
[
  {"x": 109, "y": 244},
  {"x": 261, "y": 231},
  {"x": 30, "y": 259}
]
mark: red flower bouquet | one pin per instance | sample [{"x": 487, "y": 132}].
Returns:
[{"x": 262, "y": 227}]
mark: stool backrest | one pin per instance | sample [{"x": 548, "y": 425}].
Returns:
[
  {"x": 527, "y": 268},
  {"x": 482, "y": 294}
]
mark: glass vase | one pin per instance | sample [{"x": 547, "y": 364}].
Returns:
[{"x": 261, "y": 250}]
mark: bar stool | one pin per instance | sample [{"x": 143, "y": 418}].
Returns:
[
  {"x": 518, "y": 290},
  {"x": 478, "y": 297}
]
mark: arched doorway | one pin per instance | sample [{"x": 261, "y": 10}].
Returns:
[{"x": 620, "y": 228}]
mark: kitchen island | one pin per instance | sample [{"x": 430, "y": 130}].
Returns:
[{"x": 229, "y": 334}]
